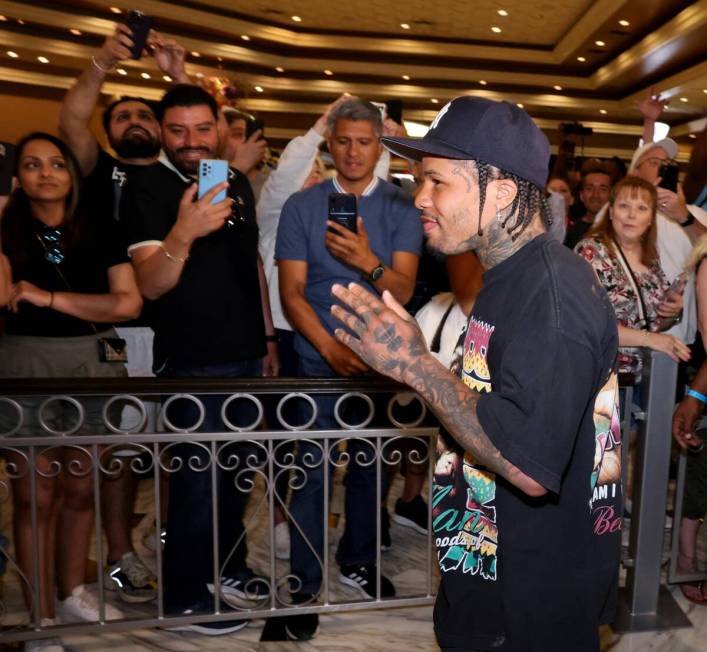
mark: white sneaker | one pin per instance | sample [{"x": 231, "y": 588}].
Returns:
[
  {"x": 83, "y": 605},
  {"x": 46, "y": 644},
  {"x": 282, "y": 540}
]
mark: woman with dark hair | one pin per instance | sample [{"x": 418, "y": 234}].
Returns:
[
  {"x": 68, "y": 279},
  {"x": 621, "y": 248}
]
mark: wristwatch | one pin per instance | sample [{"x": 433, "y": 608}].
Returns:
[
  {"x": 377, "y": 272},
  {"x": 690, "y": 219}
]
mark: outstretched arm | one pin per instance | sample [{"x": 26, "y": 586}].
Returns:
[{"x": 389, "y": 340}]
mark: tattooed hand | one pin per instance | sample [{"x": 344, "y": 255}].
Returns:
[{"x": 387, "y": 337}]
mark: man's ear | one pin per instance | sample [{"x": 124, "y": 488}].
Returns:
[{"x": 504, "y": 192}]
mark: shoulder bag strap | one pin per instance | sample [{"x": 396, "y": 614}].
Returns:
[{"x": 631, "y": 278}]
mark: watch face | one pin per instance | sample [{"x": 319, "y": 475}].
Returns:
[{"x": 377, "y": 272}]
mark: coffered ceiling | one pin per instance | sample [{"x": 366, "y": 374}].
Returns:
[{"x": 565, "y": 61}]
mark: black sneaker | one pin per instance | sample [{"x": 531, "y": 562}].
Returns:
[
  {"x": 412, "y": 514},
  {"x": 306, "y": 626},
  {"x": 243, "y": 591},
  {"x": 217, "y": 628},
  {"x": 386, "y": 543},
  {"x": 363, "y": 578}
]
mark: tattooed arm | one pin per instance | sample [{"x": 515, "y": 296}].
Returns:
[{"x": 390, "y": 341}]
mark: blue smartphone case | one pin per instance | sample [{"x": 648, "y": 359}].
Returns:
[{"x": 211, "y": 173}]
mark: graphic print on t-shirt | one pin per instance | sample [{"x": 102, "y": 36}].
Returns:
[
  {"x": 464, "y": 514},
  {"x": 605, "y": 500}
]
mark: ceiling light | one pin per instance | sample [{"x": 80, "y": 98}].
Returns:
[
  {"x": 693, "y": 136},
  {"x": 603, "y": 111},
  {"x": 557, "y": 87},
  {"x": 601, "y": 44},
  {"x": 624, "y": 23},
  {"x": 520, "y": 105},
  {"x": 434, "y": 100},
  {"x": 42, "y": 59},
  {"x": 245, "y": 37},
  {"x": 12, "y": 55},
  {"x": 296, "y": 19},
  {"x": 75, "y": 32},
  {"x": 219, "y": 58},
  {"x": 259, "y": 89},
  {"x": 329, "y": 73},
  {"x": 684, "y": 99},
  {"x": 121, "y": 71},
  {"x": 581, "y": 59},
  {"x": 145, "y": 75},
  {"x": 280, "y": 69},
  {"x": 20, "y": 21},
  {"x": 502, "y": 12},
  {"x": 195, "y": 54},
  {"x": 405, "y": 25},
  {"x": 406, "y": 77},
  {"x": 496, "y": 30},
  {"x": 483, "y": 82},
  {"x": 3, "y": 18},
  {"x": 116, "y": 10},
  {"x": 167, "y": 78},
  {"x": 704, "y": 90},
  {"x": 665, "y": 107}
]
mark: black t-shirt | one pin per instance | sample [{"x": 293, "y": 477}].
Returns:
[
  {"x": 213, "y": 315},
  {"x": 104, "y": 185},
  {"x": 85, "y": 268},
  {"x": 576, "y": 232},
  {"x": 520, "y": 573}
]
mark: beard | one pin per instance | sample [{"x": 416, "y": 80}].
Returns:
[
  {"x": 188, "y": 166},
  {"x": 136, "y": 143}
]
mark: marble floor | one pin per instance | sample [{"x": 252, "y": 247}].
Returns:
[{"x": 405, "y": 629}]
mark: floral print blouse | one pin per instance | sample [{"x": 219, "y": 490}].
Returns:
[{"x": 652, "y": 284}]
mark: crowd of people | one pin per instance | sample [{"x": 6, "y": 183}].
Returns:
[{"x": 105, "y": 252}]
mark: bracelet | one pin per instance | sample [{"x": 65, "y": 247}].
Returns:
[
  {"x": 172, "y": 257},
  {"x": 690, "y": 220},
  {"x": 695, "y": 394},
  {"x": 272, "y": 338},
  {"x": 101, "y": 68}
]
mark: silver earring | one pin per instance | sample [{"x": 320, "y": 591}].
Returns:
[{"x": 499, "y": 217}]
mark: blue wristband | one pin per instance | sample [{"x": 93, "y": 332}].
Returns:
[{"x": 700, "y": 397}]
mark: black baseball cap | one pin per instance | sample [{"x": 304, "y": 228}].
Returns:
[{"x": 498, "y": 133}]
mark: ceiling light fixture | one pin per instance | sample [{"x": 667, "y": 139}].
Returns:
[
  {"x": 581, "y": 59},
  {"x": 12, "y": 55},
  {"x": 603, "y": 111},
  {"x": 601, "y": 44},
  {"x": 328, "y": 73},
  {"x": 483, "y": 82},
  {"x": 684, "y": 99},
  {"x": 145, "y": 75},
  {"x": 502, "y": 12},
  {"x": 624, "y": 23},
  {"x": 219, "y": 58},
  {"x": 259, "y": 89},
  {"x": 434, "y": 100},
  {"x": 75, "y": 32},
  {"x": 116, "y": 10},
  {"x": 405, "y": 25},
  {"x": 121, "y": 71},
  {"x": 296, "y": 19},
  {"x": 406, "y": 77},
  {"x": 557, "y": 87},
  {"x": 3, "y": 19},
  {"x": 496, "y": 30},
  {"x": 195, "y": 54},
  {"x": 693, "y": 136},
  {"x": 167, "y": 78},
  {"x": 245, "y": 37},
  {"x": 42, "y": 59},
  {"x": 20, "y": 21},
  {"x": 520, "y": 105},
  {"x": 280, "y": 69}
]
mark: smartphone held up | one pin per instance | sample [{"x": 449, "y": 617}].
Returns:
[
  {"x": 343, "y": 210},
  {"x": 140, "y": 26}
]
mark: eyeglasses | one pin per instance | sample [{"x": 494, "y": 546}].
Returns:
[
  {"x": 51, "y": 241},
  {"x": 654, "y": 162}
]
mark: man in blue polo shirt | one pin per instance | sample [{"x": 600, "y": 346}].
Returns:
[{"x": 312, "y": 254}]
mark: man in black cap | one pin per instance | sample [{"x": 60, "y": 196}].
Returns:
[{"x": 526, "y": 503}]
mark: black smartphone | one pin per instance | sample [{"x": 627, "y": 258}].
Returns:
[
  {"x": 342, "y": 210},
  {"x": 394, "y": 109},
  {"x": 668, "y": 174},
  {"x": 139, "y": 25},
  {"x": 251, "y": 126},
  {"x": 7, "y": 167}
]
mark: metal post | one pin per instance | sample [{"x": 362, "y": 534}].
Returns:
[{"x": 645, "y": 605}]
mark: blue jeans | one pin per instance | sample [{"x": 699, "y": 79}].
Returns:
[
  {"x": 358, "y": 543},
  {"x": 188, "y": 555}
]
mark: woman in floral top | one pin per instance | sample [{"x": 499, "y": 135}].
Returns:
[{"x": 624, "y": 243}]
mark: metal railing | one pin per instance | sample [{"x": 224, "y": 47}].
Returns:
[{"x": 261, "y": 448}]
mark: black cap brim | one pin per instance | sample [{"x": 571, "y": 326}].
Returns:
[{"x": 415, "y": 149}]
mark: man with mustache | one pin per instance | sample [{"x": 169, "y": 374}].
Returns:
[
  {"x": 197, "y": 262},
  {"x": 133, "y": 134}
]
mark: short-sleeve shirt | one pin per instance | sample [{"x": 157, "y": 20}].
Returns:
[
  {"x": 522, "y": 573},
  {"x": 85, "y": 268},
  {"x": 652, "y": 284},
  {"x": 214, "y": 313},
  {"x": 390, "y": 219},
  {"x": 104, "y": 185}
]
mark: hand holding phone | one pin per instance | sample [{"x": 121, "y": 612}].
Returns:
[
  {"x": 251, "y": 126},
  {"x": 211, "y": 173},
  {"x": 343, "y": 210},
  {"x": 668, "y": 174},
  {"x": 139, "y": 25}
]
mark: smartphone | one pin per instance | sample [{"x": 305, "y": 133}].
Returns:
[
  {"x": 382, "y": 108},
  {"x": 251, "y": 126},
  {"x": 395, "y": 110},
  {"x": 668, "y": 174},
  {"x": 211, "y": 173},
  {"x": 342, "y": 210},
  {"x": 677, "y": 286},
  {"x": 139, "y": 25},
  {"x": 7, "y": 167}
]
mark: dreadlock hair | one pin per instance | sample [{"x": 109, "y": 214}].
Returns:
[{"x": 529, "y": 200}]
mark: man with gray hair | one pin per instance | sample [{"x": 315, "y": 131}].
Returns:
[{"x": 312, "y": 254}]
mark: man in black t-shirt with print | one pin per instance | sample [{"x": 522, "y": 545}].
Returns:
[
  {"x": 198, "y": 263},
  {"x": 527, "y": 487}
]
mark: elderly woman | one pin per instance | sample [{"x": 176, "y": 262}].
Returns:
[{"x": 621, "y": 248}]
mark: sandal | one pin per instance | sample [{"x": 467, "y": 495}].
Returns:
[{"x": 691, "y": 591}]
